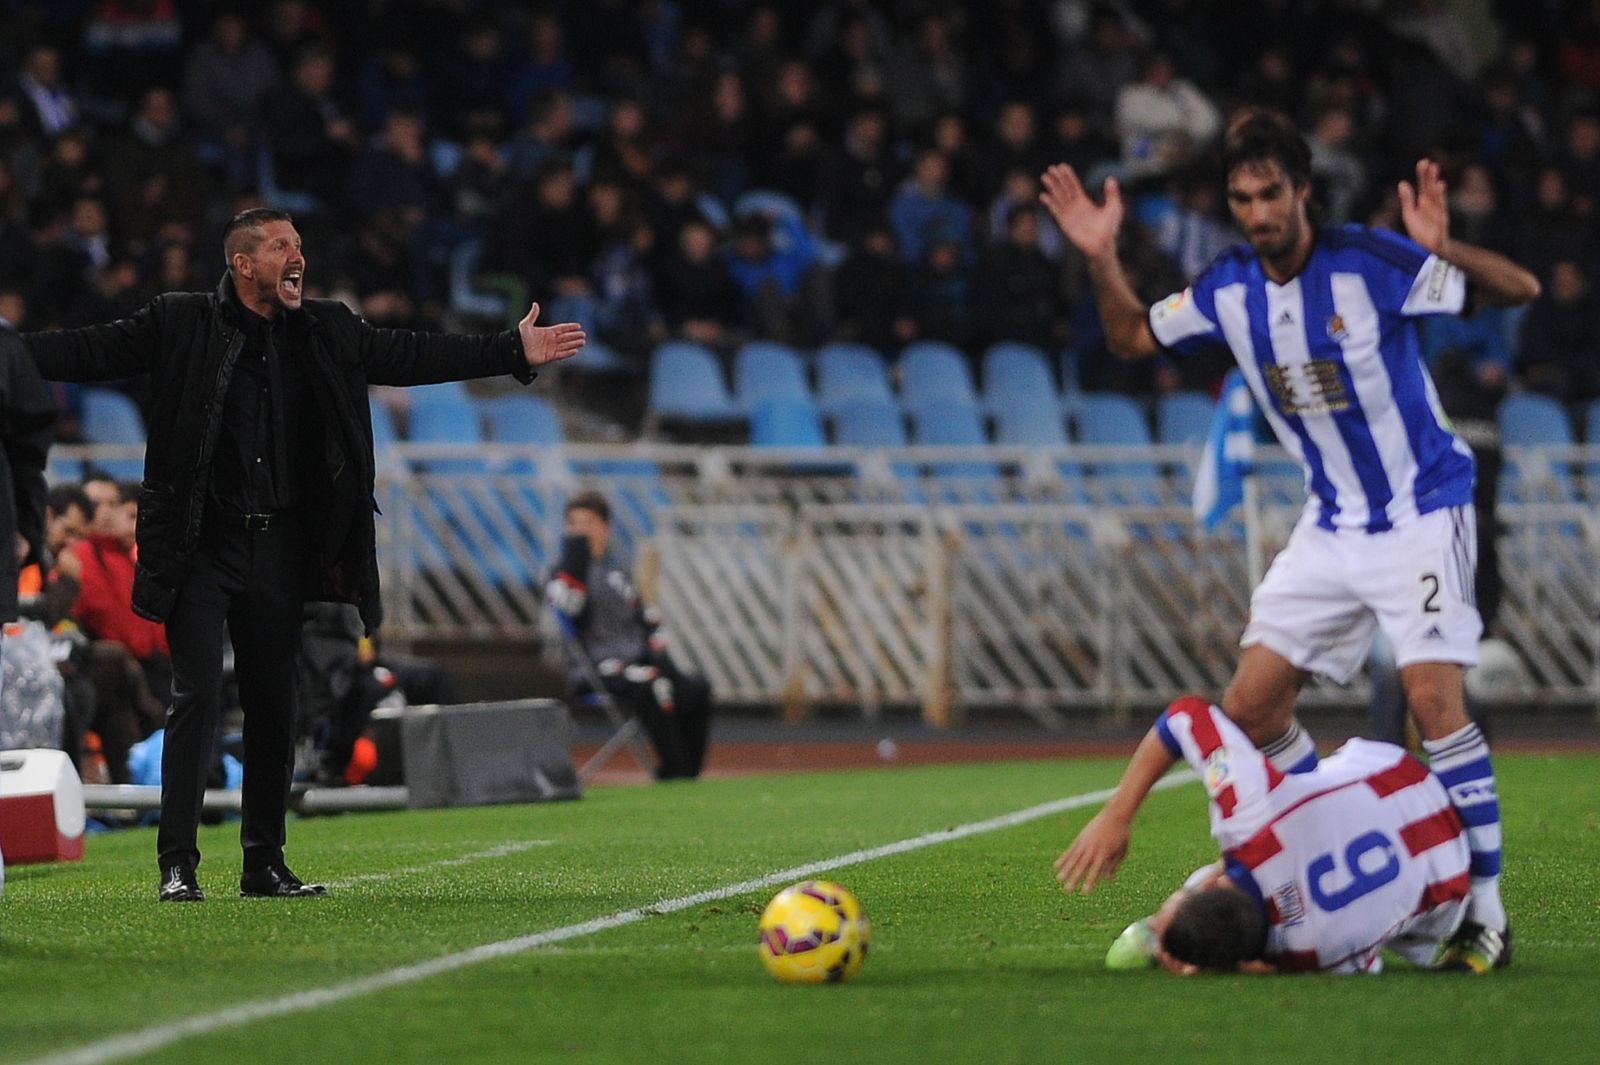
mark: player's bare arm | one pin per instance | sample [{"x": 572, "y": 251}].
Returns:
[
  {"x": 1425, "y": 210},
  {"x": 1092, "y": 228},
  {"x": 543, "y": 344},
  {"x": 1102, "y": 845}
]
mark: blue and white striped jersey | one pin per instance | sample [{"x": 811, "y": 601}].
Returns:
[{"x": 1334, "y": 360}]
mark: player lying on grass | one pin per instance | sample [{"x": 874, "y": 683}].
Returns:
[{"x": 1321, "y": 871}]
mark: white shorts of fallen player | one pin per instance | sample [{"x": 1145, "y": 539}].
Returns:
[{"x": 1327, "y": 592}]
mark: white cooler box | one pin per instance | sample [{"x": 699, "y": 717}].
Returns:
[{"x": 41, "y": 807}]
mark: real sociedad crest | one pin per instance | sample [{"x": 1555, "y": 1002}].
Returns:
[{"x": 1336, "y": 330}]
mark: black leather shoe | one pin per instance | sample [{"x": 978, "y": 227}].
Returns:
[
  {"x": 276, "y": 882},
  {"x": 178, "y": 884}
]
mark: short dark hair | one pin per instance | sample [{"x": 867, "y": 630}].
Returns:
[
  {"x": 593, "y": 502},
  {"x": 240, "y": 232},
  {"x": 63, "y": 497},
  {"x": 1260, "y": 136},
  {"x": 1216, "y": 929}
]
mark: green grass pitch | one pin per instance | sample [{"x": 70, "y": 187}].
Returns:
[{"x": 976, "y": 955}]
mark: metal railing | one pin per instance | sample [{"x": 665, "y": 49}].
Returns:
[{"x": 957, "y": 580}]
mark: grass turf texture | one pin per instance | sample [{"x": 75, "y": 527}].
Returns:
[{"x": 976, "y": 955}]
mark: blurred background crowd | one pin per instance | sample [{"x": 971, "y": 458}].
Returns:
[{"x": 721, "y": 171}]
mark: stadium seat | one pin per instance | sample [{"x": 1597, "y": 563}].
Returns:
[
  {"x": 763, "y": 369},
  {"x": 850, "y": 371},
  {"x": 1108, "y": 419},
  {"x": 1591, "y": 424},
  {"x": 464, "y": 297},
  {"x": 930, "y": 370},
  {"x": 1184, "y": 418},
  {"x": 686, "y": 385},
  {"x": 1036, "y": 422},
  {"x": 1528, "y": 419},
  {"x": 440, "y": 419},
  {"x": 869, "y": 423},
  {"x": 1014, "y": 371},
  {"x": 786, "y": 421},
  {"x": 951, "y": 423},
  {"x": 1531, "y": 420},
  {"x": 275, "y": 196},
  {"x": 520, "y": 419},
  {"x": 110, "y": 417},
  {"x": 598, "y": 358}
]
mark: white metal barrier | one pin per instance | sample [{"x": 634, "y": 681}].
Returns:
[{"x": 1057, "y": 581}]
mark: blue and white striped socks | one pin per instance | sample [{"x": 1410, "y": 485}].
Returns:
[
  {"x": 1461, "y": 762},
  {"x": 1293, "y": 752}
]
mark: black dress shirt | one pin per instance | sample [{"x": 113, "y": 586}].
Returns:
[{"x": 254, "y": 468}]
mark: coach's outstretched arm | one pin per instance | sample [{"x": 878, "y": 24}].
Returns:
[
  {"x": 1092, "y": 228},
  {"x": 1426, "y": 213},
  {"x": 1099, "y": 849}
]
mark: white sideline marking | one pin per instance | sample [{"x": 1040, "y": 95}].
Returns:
[
  {"x": 501, "y": 851},
  {"x": 157, "y": 1036}
]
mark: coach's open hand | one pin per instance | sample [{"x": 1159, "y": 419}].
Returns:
[{"x": 549, "y": 343}]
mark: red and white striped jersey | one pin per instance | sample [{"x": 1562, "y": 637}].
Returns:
[{"x": 1362, "y": 853}]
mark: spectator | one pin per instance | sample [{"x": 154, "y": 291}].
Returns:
[
  {"x": 1019, "y": 291},
  {"x": 105, "y": 565},
  {"x": 927, "y": 74},
  {"x": 48, "y": 107},
  {"x": 1335, "y": 165},
  {"x": 923, "y": 210},
  {"x": 1560, "y": 352},
  {"x": 624, "y": 150},
  {"x": 694, "y": 291},
  {"x": 1165, "y": 120},
  {"x": 870, "y": 296},
  {"x": 546, "y": 69},
  {"x": 970, "y": 166},
  {"x": 547, "y": 137},
  {"x": 859, "y": 178},
  {"x": 392, "y": 80},
  {"x": 473, "y": 83},
  {"x": 550, "y": 240},
  {"x": 628, "y": 644},
  {"x": 226, "y": 81},
  {"x": 773, "y": 263},
  {"x": 941, "y": 295},
  {"x": 311, "y": 135},
  {"x": 392, "y": 174}
]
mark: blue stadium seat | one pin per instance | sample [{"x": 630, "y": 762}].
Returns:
[
  {"x": 438, "y": 419},
  {"x": 952, "y": 423},
  {"x": 869, "y": 423},
  {"x": 763, "y": 369},
  {"x": 786, "y": 421},
  {"x": 521, "y": 419},
  {"x": 1184, "y": 418},
  {"x": 1528, "y": 419},
  {"x": 110, "y": 417},
  {"x": 1104, "y": 418},
  {"x": 1015, "y": 371},
  {"x": 848, "y": 371},
  {"x": 383, "y": 431},
  {"x": 1036, "y": 422},
  {"x": 464, "y": 297},
  {"x": 598, "y": 358},
  {"x": 686, "y": 384},
  {"x": 274, "y": 195},
  {"x": 931, "y": 370},
  {"x": 1591, "y": 424}
]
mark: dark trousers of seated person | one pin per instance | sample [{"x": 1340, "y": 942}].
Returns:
[
  {"x": 252, "y": 580},
  {"x": 676, "y": 714}
]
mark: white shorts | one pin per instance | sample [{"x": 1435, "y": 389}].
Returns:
[{"x": 1326, "y": 591}]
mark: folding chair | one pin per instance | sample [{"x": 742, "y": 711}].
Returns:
[{"x": 627, "y": 729}]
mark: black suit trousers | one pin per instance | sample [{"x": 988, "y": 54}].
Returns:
[{"x": 252, "y": 580}]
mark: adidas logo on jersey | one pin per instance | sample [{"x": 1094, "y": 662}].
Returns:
[
  {"x": 1433, "y": 633},
  {"x": 1285, "y": 318}
]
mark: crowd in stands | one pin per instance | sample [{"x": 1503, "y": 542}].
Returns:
[{"x": 721, "y": 171}]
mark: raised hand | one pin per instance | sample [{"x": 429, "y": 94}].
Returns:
[
  {"x": 1425, "y": 209},
  {"x": 549, "y": 343},
  {"x": 1091, "y": 227},
  {"x": 1095, "y": 855}
]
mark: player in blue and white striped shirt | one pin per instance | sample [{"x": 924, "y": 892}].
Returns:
[{"x": 1323, "y": 324}]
